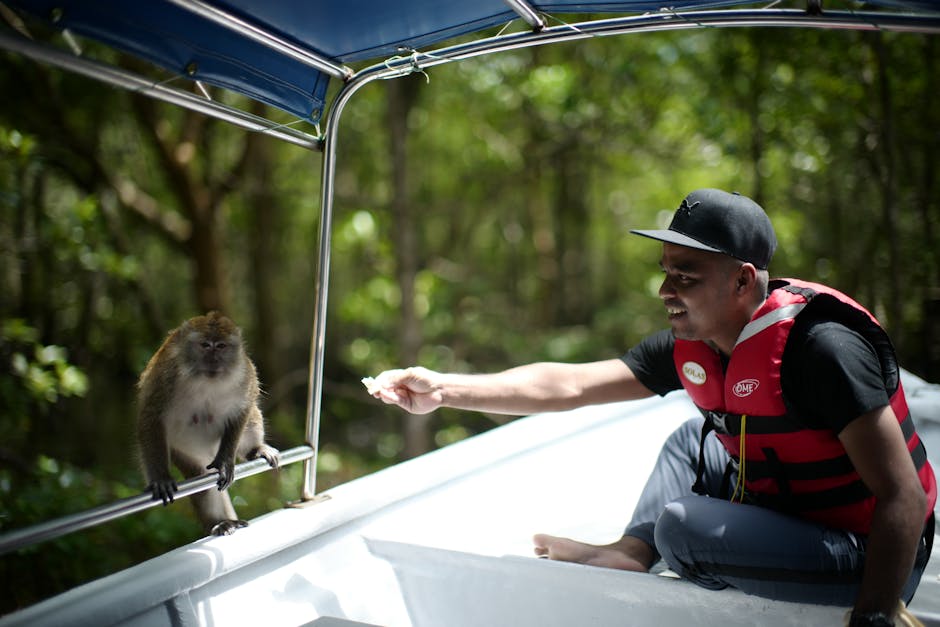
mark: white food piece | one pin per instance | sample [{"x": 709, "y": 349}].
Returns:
[{"x": 370, "y": 384}]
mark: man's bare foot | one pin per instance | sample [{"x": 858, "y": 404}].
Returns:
[{"x": 627, "y": 553}]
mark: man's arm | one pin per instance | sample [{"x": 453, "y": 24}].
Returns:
[
  {"x": 877, "y": 448},
  {"x": 534, "y": 388}
]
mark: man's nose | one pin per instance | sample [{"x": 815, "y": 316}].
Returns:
[{"x": 665, "y": 289}]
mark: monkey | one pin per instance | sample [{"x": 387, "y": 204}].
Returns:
[{"x": 198, "y": 407}]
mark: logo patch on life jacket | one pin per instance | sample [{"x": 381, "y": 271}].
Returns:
[
  {"x": 694, "y": 372},
  {"x": 745, "y": 387}
]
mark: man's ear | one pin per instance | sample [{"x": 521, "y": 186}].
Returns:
[{"x": 746, "y": 278}]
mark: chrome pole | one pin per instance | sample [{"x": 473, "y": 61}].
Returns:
[
  {"x": 99, "y": 515},
  {"x": 266, "y": 39},
  {"x": 527, "y": 13},
  {"x": 318, "y": 336},
  {"x": 662, "y": 21},
  {"x": 118, "y": 77}
]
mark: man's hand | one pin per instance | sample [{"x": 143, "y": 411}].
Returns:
[
  {"x": 902, "y": 618},
  {"x": 417, "y": 390},
  {"x": 878, "y": 450}
]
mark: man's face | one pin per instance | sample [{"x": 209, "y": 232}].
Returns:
[{"x": 699, "y": 294}]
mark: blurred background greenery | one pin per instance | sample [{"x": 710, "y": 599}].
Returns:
[{"x": 481, "y": 221}]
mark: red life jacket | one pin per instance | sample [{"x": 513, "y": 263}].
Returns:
[{"x": 787, "y": 465}]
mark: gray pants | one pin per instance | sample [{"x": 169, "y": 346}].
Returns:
[{"x": 717, "y": 544}]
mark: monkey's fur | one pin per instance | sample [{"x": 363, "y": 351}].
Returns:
[{"x": 198, "y": 406}]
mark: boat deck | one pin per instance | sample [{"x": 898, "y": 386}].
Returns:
[{"x": 445, "y": 539}]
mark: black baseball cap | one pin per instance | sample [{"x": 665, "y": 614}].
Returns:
[{"x": 721, "y": 222}]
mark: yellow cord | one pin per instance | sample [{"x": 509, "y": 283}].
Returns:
[{"x": 742, "y": 466}]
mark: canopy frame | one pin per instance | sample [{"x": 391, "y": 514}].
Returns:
[{"x": 419, "y": 62}]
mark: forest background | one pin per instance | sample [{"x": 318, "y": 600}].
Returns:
[{"x": 481, "y": 222}]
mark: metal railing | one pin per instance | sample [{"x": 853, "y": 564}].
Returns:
[{"x": 99, "y": 515}]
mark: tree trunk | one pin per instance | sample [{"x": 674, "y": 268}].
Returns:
[
  {"x": 929, "y": 209},
  {"x": 205, "y": 255},
  {"x": 888, "y": 183},
  {"x": 571, "y": 295},
  {"x": 265, "y": 210},
  {"x": 757, "y": 88},
  {"x": 402, "y": 94}
]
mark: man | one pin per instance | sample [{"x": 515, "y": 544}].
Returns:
[{"x": 804, "y": 480}]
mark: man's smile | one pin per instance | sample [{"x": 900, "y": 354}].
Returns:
[{"x": 675, "y": 310}]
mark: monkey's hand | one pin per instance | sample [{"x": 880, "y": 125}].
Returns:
[
  {"x": 226, "y": 468},
  {"x": 163, "y": 489},
  {"x": 269, "y": 453}
]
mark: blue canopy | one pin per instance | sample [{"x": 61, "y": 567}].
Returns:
[{"x": 285, "y": 52}]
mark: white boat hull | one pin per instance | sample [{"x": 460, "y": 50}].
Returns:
[{"x": 445, "y": 540}]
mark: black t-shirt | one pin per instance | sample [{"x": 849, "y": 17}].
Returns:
[{"x": 830, "y": 374}]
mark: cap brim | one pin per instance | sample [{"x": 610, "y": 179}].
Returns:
[{"x": 674, "y": 237}]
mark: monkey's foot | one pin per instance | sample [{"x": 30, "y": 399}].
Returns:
[
  {"x": 227, "y": 527},
  {"x": 269, "y": 453}
]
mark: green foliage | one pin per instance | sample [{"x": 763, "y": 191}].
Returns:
[
  {"x": 47, "y": 489},
  {"x": 33, "y": 377},
  {"x": 525, "y": 172},
  {"x": 46, "y": 374}
]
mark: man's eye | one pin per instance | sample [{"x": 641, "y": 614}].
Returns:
[{"x": 678, "y": 276}]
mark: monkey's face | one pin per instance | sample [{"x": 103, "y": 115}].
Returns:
[
  {"x": 212, "y": 349},
  {"x": 213, "y": 355}
]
